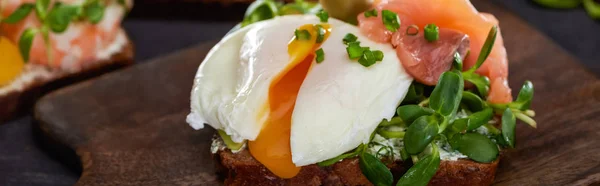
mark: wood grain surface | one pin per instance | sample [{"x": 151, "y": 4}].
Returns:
[{"x": 128, "y": 128}]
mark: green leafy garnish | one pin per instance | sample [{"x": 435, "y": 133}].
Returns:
[
  {"x": 349, "y": 38},
  {"x": 354, "y": 50},
  {"x": 320, "y": 33},
  {"x": 457, "y": 63},
  {"x": 258, "y": 11},
  {"x": 338, "y": 158},
  {"x": 94, "y": 12},
  {"x": 480, "y": 118},
  {"x": 370, "y": 13},
  {"x": 447, "y": 94},
  {"x": 508, "y": 127},
  {"x": 482, "y": 83},
  {"x": 432, "y": 32},
  {"x": 378, "y": 55},
  {"x": 395, "y": 121},
  {"x": 320, "y": 55},
  {"x": 561, "y": 4},
  {"x": 592, "y": 8},
  {"x": 410, "y": 113},
  {"x": 61, "y": 16},
  {"x": 412, "y": 30},
  {"x": 420, "y": 173},
  {"x": 302, "y": 34},
  {"x": 420, "y": 134},
  {"x": 19, "y": 14},
  {"x": 390, "y": 20},
  {"x": 25, "y": 42},
  {"x": 475, "y": 146},
  {"x": 472, "y": 101},
  {"x": 486, "y": 49},
  {"x": 375, "y": 171},
  {"x": 367, "y": 59},
  {"x": 41, "y": 8},
  {"x": 228, "y": 142},
  {"x": 524, "y": 98},
  {"x": 323, "y": 16}
]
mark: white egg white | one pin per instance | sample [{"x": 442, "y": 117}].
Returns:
[{"x": 339, "y": 103}]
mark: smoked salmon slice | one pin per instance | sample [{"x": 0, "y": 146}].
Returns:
[{"x": 458, "y": 15}]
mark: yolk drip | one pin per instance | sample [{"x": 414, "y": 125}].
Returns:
[
  {"x": 272, "y": 146},
  {"x": 11, "y": 63}
]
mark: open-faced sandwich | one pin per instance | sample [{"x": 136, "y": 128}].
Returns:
[
  {"x": 398, "y": 92},
  {"x": 47, "y": 43}
]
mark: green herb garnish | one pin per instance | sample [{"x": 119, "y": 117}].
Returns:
[
  {"x": 412, "y": 30},
  {"x": 25, "y": 42},
  {"x": 370, "y": 13},
  {"x": 375, "y": 171},
  {"x": 349, "y": 38},
  {"x": 420, "y": 173},
  {"x": 323, "y": 16},
  {"x": 354, "y": 50},
  {"x": 368, "y": 58},
  {"x": 302, "y": 34},
  {"x": 390, "y": 20},
  {"x": 320, "y": 33},
  {"x": 432, "y": 32},
  {"x": 320, "y": 55}
]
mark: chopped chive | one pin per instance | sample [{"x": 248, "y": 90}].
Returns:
[
  {"x": 432, "y": 32},
  {"x": 370, "y": 13},
  {"x": 349, "y": 38},
  {"x": 320, "y": 55},
  {"x": 323, "y": 16},
  {"x": 378, "y": 55},
  {"x": 390, "y": 20},
  {"x": 412, "y": 30},
  {"x": 354, "y": 50},
  {"x": 367, "y": 59},
  {"x": 320, "y": 33},
  {"x": 302, "y": 34}
]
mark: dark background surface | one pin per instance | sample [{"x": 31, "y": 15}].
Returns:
[{"x": 26, "y": 158}]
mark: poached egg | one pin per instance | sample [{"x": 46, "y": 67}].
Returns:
[{"x": 263, "y": 85}]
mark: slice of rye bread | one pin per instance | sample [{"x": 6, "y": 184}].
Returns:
[
  {"x": 242, "y": 169},
  {"x": 19, "y": 100}
]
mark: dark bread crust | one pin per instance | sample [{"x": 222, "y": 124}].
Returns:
[
  {"x": 17, "y": 102},
  {"x": 242, "y": 169}
]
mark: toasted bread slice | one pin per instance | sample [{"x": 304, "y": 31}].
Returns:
[
  {"x": 18, "y": 97},
  {"x": 241, "y": 168}
]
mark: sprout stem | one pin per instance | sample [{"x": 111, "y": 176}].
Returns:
[{"x": 526, "y": 119}]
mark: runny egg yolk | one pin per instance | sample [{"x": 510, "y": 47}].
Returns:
[
  {"x": 11, "y": 63},
  {"x": 272, "y": 146}
]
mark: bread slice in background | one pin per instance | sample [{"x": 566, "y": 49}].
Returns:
[
  {"x": 242, "y": 169},
  {"x": 18, "y": 97}
]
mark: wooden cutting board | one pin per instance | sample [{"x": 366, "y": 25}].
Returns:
[{"x": 128, "y": 128}]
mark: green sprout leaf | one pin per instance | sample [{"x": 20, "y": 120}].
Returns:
[
  {"x": 41, "y": 8},
  {"x": 228, "y": 142},
  {"x": 472, "y": 101},
  {"x": 420, "y": 173},
  {"x": 476, "y": 146},
  {"x": 323, "y": 16},
  {"x": 480, "y": 118},
  {"x": 258, "y": 11},
  {"x": 482, "y": 83},
  {"x": 19, "y": 14},
  {"x": 592, "y": 8},
  {"x": 447, "y": 94},
  {"x": 339, "y": 158},
  {"x": 559, "y": 4},
  {"x": 395, "y": 121},
  {"x": 508, "y": 127},
  {"x": 26, "y": 41},
  {"x": 61, "y": 16},
  {"x": 414, "y": 94},
  {"x": 486, "y": 49},
  {"x": 524, "y": 98},
  {"x": 375, "y": 171},
  {"x": 94, "y": 12},
  {"x": 420, "y": 134},
  {"x": 409, "y": 113}
]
